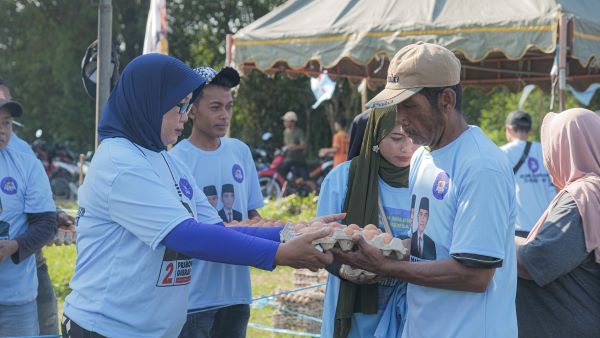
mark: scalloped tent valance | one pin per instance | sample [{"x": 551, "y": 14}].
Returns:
[{"x": 509, "y": 42}]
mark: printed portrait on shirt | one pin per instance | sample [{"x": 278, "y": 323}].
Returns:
[
  {"x": 211, "y": 194},
  {"x": 227, "y": 213},
  {"x": 422, "y": 246}
]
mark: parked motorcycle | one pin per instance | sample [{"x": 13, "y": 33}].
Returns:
[
  {"x": 61, "y": 165},
  {"x": 274, "y": 185},
  {"x": 261, "y": 155}
]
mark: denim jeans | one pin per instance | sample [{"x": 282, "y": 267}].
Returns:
[
  {"x": 230, "y": 322},
  {"x": 19, "y": 320},
  {"x": 46, "y": 299}
]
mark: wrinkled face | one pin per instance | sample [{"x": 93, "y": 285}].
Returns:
[
  {"x": 172, "y": 123},
  {"x": 6, "y": 122},
  {"x": 420, "y": 121},
  {"x": 213, "y": 200},
  {"x": 212, "y": 112},
  {"x": 397, "y": 148},
  {"x": 423, "y": 218},
  {"x": 289, "y": 123},
  {"x": 228, "y": 198}
]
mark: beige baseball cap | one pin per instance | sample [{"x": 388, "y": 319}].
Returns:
[
  {"x": 415, "y": 67},
  {"x": 290, "y": 116}
]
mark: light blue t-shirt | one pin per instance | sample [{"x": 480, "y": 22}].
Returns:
[
  {"x": 396, "y": 203},
  {"x": 217, "y": 284},
  {"x": 24, "y": 189},
  {"x": 19, "y": 145},
  {"x": 468, "y": 190},
  {"x": 126, "y": 283},
  {"x": 534, "y": 188}
]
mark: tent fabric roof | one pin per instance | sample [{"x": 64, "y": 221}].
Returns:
[{"x": 362, "y": 32}]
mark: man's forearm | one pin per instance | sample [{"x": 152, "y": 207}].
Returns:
[
  {"x": 41, "y": 230},
  {"x": 441, "y": 274}
]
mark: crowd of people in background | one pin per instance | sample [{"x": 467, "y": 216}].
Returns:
[{"x": 504, "y": 241}]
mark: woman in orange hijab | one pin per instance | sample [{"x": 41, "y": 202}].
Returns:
[{"x": 558, "y": 293}]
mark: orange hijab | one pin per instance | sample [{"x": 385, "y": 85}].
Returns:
[{"x": 571, "y": 150}]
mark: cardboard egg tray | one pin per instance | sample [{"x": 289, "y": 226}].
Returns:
[{"x": 341, "y": 237}]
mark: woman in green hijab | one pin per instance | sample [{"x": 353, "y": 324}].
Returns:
[{"x": 371, "y": 308}]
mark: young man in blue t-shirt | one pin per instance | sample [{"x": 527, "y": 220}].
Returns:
[
  {"x": 220, "y": 294},
  {"x": 468, "y": 288},
  {"x": 534, "y": 188}
]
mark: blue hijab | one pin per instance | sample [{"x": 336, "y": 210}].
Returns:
[{"x": 149, "y": 86}]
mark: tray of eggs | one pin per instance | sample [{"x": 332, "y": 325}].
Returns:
[{"x": 340, "y": 236}]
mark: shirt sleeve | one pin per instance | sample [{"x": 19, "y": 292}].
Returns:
[
  {"x": 559, "y": 247},
  {"x": 482, "y": 221},
  {"x": 139, "y": 202},
  {"x": 333, "y": 191},
  {"x": 38, "y": 195}
]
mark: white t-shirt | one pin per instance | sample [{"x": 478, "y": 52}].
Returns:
[
  {"x": 468, "y": 188},
  {"x": 126, "y": 283},
  {"x": 217, "y": 284},
  {"x": 24, "y": 189},
  {"x": 534, "y": 188},
  {"x": 396, "y": 203}
]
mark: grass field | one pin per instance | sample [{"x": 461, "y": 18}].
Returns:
[{"x": 61, "y": 263}]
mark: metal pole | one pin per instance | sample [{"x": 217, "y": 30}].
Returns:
[
  {"x": 103, "y": 69},
  {"x": 228, "y": 49},
  {"x": 562, "y": 61}
]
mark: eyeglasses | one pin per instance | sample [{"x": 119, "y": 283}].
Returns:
[{"x": 184, "y": 108}]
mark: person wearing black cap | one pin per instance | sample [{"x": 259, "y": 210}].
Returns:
[
  {"x": 534, "y": 188},
  {"x": 228, "y": 197},
  {"x": 211, "y": 193},
  {"x": 219, "y": 163},
  {"x": 422, "y": 246},
  {"x": 29, "y": 222}
]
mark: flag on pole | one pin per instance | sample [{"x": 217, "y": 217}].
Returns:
[
  {"x": 322, "y": 87},
  {"x": 155, "y": 40}
]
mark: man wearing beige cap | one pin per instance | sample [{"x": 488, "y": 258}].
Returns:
[
  {"x": 468, "y": 289},
  {"x": 294, "y": 145}
]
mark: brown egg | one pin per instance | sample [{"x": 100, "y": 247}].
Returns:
[
  {"x": 350, "y": 231},
  {"x": 234, "y": 222},
  {"x": 354, "y": 226},
  {"x": 387, "y": 238},
  {"x": 371, "y": 227},
  {"x": 279, "y": 223},
  {"x": 336, "y": 225},
  {"x": 369, "y": 234}
]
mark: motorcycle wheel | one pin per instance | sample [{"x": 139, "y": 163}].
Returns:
[{"x": 269, "y": 187}]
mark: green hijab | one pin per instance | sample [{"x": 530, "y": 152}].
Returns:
[{"x": 361, "y": 208}]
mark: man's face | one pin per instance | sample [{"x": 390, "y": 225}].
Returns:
[
  {"x": 6, "y": 122},
  {"x": 212, "y": 112},
  {"x": 421, "y": 122},
  {"x": 228, "y": 198},
  {"x": 423, "y": 218},
  {"x": 289, "y": 123},
  {"x": 213, "y": 200}
]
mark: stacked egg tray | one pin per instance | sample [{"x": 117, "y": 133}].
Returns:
[
  {"x": 340, "y": 236},
  {"x": 257, "y": 222},
  {"x": 293, "y": 309}
]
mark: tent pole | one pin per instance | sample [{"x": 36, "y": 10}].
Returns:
[
  {"x": 363, "y": 94},
  {"x": 562, "y": 61},
  {"x": 103, "y": 61},
  {"x": 228, "y": 49}
]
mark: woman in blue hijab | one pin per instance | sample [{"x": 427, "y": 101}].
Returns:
[{"x": 141, "y": 216}]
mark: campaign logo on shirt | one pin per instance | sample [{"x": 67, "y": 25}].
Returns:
[
  {"x": 175, "y": 269},
  {"x": 8, "y": 185},
  {"x": 533, "y": 164},
  {"x": 186, "y": 188},
  {"x": 238, "y": 173},
  {"x": 440, "y": 185}
]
